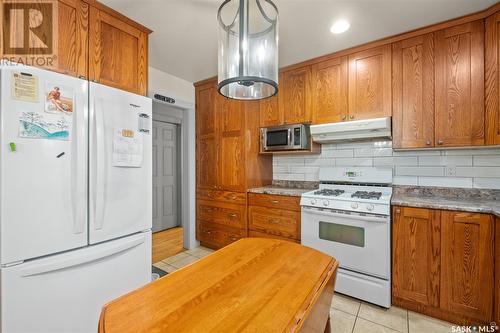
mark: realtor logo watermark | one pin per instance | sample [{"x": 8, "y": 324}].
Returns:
[{"x": 29, "y": 32}]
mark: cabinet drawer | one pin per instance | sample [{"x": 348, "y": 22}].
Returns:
[
  {"x": 277, "y": 222},
  {"x": 274, "y": 201},
  {"x": 258, "y": 234},
  {"x": 223, "y": 213},
  {"x": 216, "y": 236},
  {"x": 224, "y": 196}
]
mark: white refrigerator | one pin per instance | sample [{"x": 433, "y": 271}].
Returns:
[{"x": 75, "y": 199}]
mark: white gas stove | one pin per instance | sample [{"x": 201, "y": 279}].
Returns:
[{"x": 348, "y": 217}]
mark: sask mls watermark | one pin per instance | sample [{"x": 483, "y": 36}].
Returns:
[{"x": 29, "y": 32}]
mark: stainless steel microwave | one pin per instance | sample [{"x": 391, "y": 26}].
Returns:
[{"x": 286, "y": 137}]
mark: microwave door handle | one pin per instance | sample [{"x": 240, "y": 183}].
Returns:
[
  {"x": 352, "y": 216},
  {"x": 290, "y": 141}
]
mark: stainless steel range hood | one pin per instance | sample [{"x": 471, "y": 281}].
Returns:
[{"x": 352, "y": 130}]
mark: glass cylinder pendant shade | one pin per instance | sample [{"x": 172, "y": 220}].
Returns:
[{"x": 248, "y": 49}]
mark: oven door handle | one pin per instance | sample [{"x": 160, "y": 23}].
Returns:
[{"x": 352, "y": 216}]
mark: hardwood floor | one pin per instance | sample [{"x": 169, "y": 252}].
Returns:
[{"x": 167, "y": 243}]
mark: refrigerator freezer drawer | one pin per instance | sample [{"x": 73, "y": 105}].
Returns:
[{"x": 65, "y": 292}]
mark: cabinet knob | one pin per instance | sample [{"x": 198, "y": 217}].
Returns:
[
  {"x": 440, "y": 142},
  {"x": 81, "y": 77},
  {"x": 351, "y": 117},
  {"x": 428, "y": 142},
  {"x": 344, "y": 117},
  {"x": 398, "y": 211},
  {"x": 95, "y": 80}
]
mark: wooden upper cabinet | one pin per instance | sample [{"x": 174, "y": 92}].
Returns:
[
  {"x": 73, "y": 34},
  {"x": 467, "y": 264},
  {"x": 118, "y": 53},
  {"x": 492, "y": 77},
  {"x": 270, "y": 113},
  {"x": 329, "y": 91},
  {"x": 295, "y": 95},
  {"x": 370, "y": 83},
  {"x": 416, "y": 255},
  {"x": 460, "y": 85},
  {"x": 413, "y": 92}
]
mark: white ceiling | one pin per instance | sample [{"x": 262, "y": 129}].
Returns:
[{"x": 184, "y": 41}]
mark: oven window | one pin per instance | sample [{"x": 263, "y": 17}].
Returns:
[
  {"x": 277, "y": 138},
  {"x": 341, "y": 233}
]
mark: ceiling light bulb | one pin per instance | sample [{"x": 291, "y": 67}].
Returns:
[{"x": 340, "y": 26}]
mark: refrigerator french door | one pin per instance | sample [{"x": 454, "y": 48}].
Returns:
[
  {"x": 120, "y": 163},
  {"x": 43, "y": 163}
]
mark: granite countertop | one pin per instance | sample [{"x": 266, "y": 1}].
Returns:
[
  {"x": 288, "y": 188},
  {"x": 468, "y": 200}
]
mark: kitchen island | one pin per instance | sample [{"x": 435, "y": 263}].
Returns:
[{"x": 252, "y": 285}]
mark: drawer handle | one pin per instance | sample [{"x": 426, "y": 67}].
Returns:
[
  {"x": 232, "y": 215},
  {"x": 275, "y": 201},
  {"x": 207, "y": 232},
  {"x": 273, "y": 221},
  {"x": 208, "y": 209},
  {"x": 232, "y": 196},
  {"x": 233, "y": 238}
]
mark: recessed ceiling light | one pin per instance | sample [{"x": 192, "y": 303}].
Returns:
[{"x": 340, "y": 26}]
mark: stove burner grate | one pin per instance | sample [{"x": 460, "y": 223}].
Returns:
[
  {"x": 366, "y": 195},
  {"x": 328, "y": 192}
]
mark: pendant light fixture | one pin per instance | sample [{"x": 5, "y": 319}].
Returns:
[{"x": 248, "y": 49}]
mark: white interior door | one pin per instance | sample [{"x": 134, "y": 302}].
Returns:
[
  {"x": 165, "y": 176},
  {"x": 43, "y": 163},
  {"x": 66, "y": 292},
  {"x": 120, "y": 163}
]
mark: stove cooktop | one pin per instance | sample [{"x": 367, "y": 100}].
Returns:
[
  {"x": 329, "y": 192},
  {"x": 367, "y": 195}
]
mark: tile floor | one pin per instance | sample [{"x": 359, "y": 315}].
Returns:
[{"x": 348, "y": 315}]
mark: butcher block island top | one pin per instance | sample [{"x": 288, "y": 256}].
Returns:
[{"x": 252, "y": 285}]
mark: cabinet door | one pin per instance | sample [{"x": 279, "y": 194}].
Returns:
[
  {"x": 294, "y": 97},
  {"x": 460, "y": 85},
  {"x": 413, "y": 92},
  {"x": 329, "y": 93},
  {"x": 206, "y": 138},
  {"x": 270, "y": 114},
  {"x": 73, "y": 20},
  {"x": 370, "y": 83},
  {"x": 416, "y": 255},
  {"x": 231, "y": 166},
  {"x": 492, "y": 77},
  {"x": 467, "y": 264},
  {"x": 118, "y": 53}
]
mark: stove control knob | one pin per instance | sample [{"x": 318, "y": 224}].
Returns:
[
  {"x": 326, "y": 202},
  {"x": 313, "y": 201},
  {"x": 370, "y": 207},
  {"x": 354, "y": 205}
]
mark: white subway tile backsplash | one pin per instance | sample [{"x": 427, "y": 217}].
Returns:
[
  {"x": 493, "y": 183},
  {"x": 487, "y": 160},
  {"x": 355, "y": 161},
  {"x": 419, "y": 171},
  {"x": 480, "y": 172},
  {"x": 445, "y": 181},
  {"x": 445, "y": 160},
  {"x": 451, "y": 167}
]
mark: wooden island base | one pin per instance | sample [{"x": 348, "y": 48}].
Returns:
[{"x": 252, "y": 285}]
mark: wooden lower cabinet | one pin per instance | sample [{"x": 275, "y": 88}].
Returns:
[
  {"x": 258, "y": 234},
  {"x": 215, "y": 236},
  {"x": 443, "y": 264},
  {"x": 274, "y": 216}
]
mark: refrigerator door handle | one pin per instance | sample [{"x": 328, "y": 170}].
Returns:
[
  {"x": 79, "y": 162},
  {"x": 72, "y": 262},
  {"x": 99, "y": 160}
]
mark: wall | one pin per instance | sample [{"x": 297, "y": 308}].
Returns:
[
  {"x": 478, "y": 168},
  {"x": 170, "y": 86}
]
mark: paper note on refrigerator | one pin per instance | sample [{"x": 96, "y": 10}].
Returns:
[
  {"x": 127, "y": 148},
  {"x": 24, "y": 87}
]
